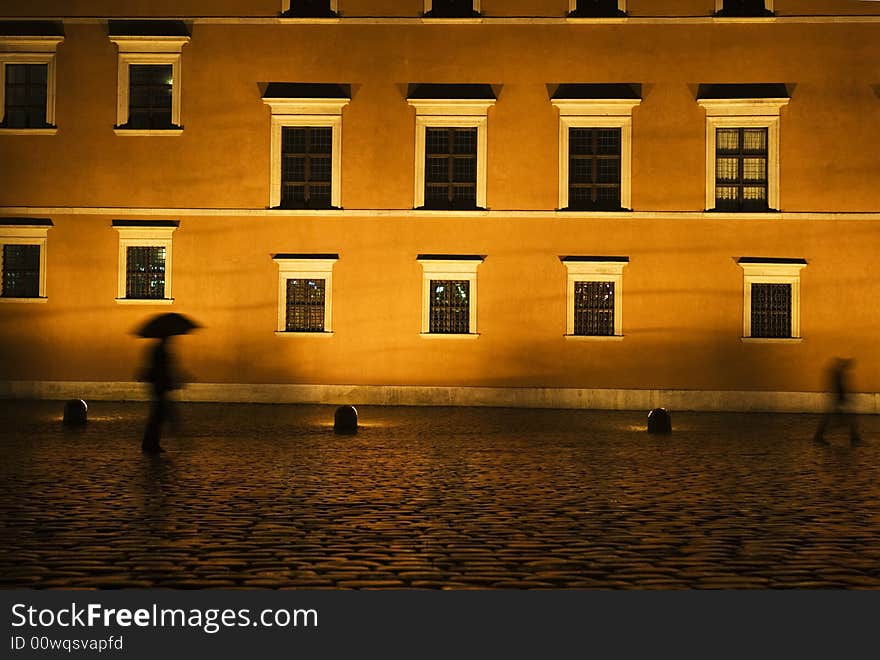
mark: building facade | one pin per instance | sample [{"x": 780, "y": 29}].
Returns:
[{"x": 499, "y": 202}]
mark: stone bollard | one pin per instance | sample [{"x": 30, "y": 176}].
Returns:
[
  {"x": 75, "y": 413},
  {"x": 659, "y": 421},
  {"x": 345, "y": 421}
]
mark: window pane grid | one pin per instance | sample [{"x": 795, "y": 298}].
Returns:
[
  {"x": 21, "y": 271},
  {"x": 306, "y": 166},
  {"x": 450, "y": 307},
  {"x": 149, "y": 95},
  {"x": 771, "y": 310},
  {"x": 25, "y": 92},
  {"x": 305, "y": 305},
  {"x": 451, "y": 167},
  {"x": 741, "y": 169},
  {"x": 594, "y": 168},
  {"x": 145, "y": 272},
  {"x": 594, "y": 308}
]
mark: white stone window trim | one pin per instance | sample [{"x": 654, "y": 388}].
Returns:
[
  {"x": 298, "y": 268},
  {"x": 772, "y": 273},
  {"x": 449, "y": 269},
  {"x": 744, "y": 113},
  {"x": 318, "y": 112},
  {"x": 768, "y": 5},
  {"x": 594, "y": 271},
  {"x": 596, "y": 113},
  {"x": 143, "y": 236},
  {"x": 26, "y": 235},
  {"x": 573, "y": 4},
  {"x": 30, "y": 50},
  {"x": 451, "y": 113},
  {"x": 147, "y": 50}
]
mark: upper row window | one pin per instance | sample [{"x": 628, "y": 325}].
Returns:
[{"x": 27, "y": 84}]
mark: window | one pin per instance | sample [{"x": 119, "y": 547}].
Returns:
[
  {"x": 449, "y": 295},
  {"x": 305, "y": 287},
  {"x": 306, "y": 145},
  {"x": 27, "y": 84},
  {"x": 23, "y": 261},
  {"x": 771, "y": 299},
  {"x": 595, "y": 146},
  {"x": 452, "y": 8},
  {"x": 742, "y": 147},
  {"x": 451, "y": 142},
  {"x": 144, "y": 262},
  {"x": 743, "y": 7},
  {"x": 148, "y": 85},
  {"x": 593, "y": 297},
  {"x": 596, "y": 8},
  {"x": 309, "y": 8}
]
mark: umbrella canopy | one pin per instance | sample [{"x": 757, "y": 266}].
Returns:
[{"x": 165, "y": 325}]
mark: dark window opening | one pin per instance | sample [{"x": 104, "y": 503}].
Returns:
[
  {"x": 451, "y": 168},
  {"x": 310, "y": 9},
  {"x": 306, "y": 167},
  {"x": 741, "y": 169},
  {"x": 594, "y": 308},
  {"x": 597, "y": 9},
  {"x": 26, "y": 96},
  {"x": 744, "y": 8},
  {"x": 450, "y": 307},
  {"x": 149, "y": 96},
  {"x": 594, "y": 169},
  {"x": 145, "y": 272},
  {"x": 21, "y": 271},
  {"x": 771, "y": 310},
  {"x": 452, "y": 9},
  {"x": 305, "y": 305}
]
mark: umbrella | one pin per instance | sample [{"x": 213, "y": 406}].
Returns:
[{"x": 165, "y": 325}]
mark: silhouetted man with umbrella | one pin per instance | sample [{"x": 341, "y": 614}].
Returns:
[
  {"x": 160, "y": 372},
  {"x": 839, "y": 411}
]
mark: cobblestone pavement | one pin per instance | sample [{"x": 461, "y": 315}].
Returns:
[{"x": 268, "y": 496}]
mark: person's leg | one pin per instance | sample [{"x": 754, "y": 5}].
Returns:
[{"x": 150, "y": 442}]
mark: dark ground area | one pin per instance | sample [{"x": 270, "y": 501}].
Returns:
[{"x": 268, "y": 496}]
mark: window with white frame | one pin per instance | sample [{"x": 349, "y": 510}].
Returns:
[
  {"x": 743, "y": 8},
  {"x": 305, "y": 149},
  {"x": 742, "y": 153},
  {"x": 148, "y": 84},
  {"x": 144, "y": 275},
  {"x": 305, "y": 293},
  {"x": 593, "y": 297},
  {"x": 23, "y": 261},
  {"x": 27, "y": 84},
  {"x": 595, "y": 153},
  {"x": 450, "y": 150},
  {"x": 449, "y": 295},
  {"x": 771, "y": 299},
  {"x": 452, "y": 8},
  {"x": 309, "y": 8},
  {"x": 596, "y": 8}
]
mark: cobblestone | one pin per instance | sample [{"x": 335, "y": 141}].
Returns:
[{"x": 437, "y": 498}]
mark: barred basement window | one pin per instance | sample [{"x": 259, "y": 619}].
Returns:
[
  {"x": 450, "y": 307},
  {"x": 26, "y": 94},
  {"x": 150, "y": 95},
  {"x": 451, "y": 168},
  {"x": 741, "y": 169},
  {"x": 594, "y": 308},
  {"x": 305, "y": 305},
  {"x": 771, "y": 310},
  {"x": 21, "y": 271},
  {"x": 594, "y": 168},
  {"x": 451, "y": 9},
  {"x": 145, "y": 272},
  {"x": 310, "y": 9},
  {"x": 596, "y": 8},
  {"x": 306, "y": 166},
  {"x": 744, "y": 7}
]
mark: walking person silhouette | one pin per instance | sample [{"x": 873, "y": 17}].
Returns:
[{"x": 839, "y": 412}]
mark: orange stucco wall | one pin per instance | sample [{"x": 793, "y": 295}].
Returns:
[{"x": 682, "y": 289}]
